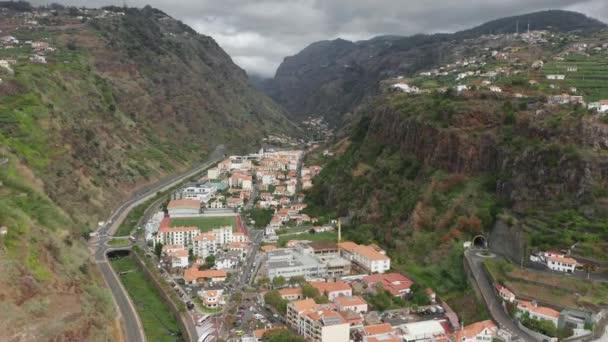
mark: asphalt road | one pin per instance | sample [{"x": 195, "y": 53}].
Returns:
[
  {"x": 132, "y": 325},
  {"x": 493, "y": 304}
]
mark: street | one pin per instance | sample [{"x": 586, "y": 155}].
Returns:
[
  {"x": 132, "y": 325},
  {"x": 493, "y": 304}
]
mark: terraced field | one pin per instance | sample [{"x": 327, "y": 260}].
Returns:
[{"x": 590, "y": 78}]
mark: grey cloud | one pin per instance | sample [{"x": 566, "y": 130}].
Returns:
[{"x": 259, "y": 34}]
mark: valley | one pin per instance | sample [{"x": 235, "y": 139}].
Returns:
[{"x": 442, "y": 187}]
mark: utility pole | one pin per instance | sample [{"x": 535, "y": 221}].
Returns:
[{"x": 517, "y": 27}]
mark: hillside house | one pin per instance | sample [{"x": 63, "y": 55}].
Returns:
[{"x": 561, "y": 264}]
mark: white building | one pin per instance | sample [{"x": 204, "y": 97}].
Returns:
[
  {"x": 212, "y": 299},
  {"x": 176, "y": 235},
  {"x": 484, "y": 331},
  {"x": 539, "y": 312},
  {"x": 561, "y": 264},
  {"x": 317, "y": 324},
  {"x": 367, "y": 257},
  {"x": 431, "y": 330},
  {"x": 556, "y": 77}
]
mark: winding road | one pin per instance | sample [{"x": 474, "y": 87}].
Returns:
[{"x": 133, "y": 329}]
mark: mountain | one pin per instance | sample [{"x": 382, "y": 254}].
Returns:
[
  {"x": 93, "y": 104},
  {"x": 331, "y": 78},
  {"x": 421, "y": 174}
]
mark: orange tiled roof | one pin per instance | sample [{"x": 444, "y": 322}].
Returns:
[
  {"x": 563, "y": 260},
  {"x": 370, "y": 253},
  {"x": 328, "y": 287},
  {"x": 472, "y": 330},
  {"x": 378, "y": 329},
  {"x": 267, "y": 248},
  {"x": 540, "y": 310},
  {"x": 290, "y": 291},
  {"x": 348, "y": 246},
  {"x": 349, "y": 301},
  {"x": 304, "y": 304},
  {"x": 184, "y": 203},
  {"x": 193, "y": 273}
]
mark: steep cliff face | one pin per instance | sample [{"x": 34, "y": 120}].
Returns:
[
  {"x": 125, "y": 97},
  {"x": 332, "y": 78},
  {"x": 533, "y": 163}
]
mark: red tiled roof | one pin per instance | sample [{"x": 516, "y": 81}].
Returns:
[{"x": 395, "y": 283}]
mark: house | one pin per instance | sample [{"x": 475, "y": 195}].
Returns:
[
  {"x": 3, "y": 230},
  {"x": 291, "y": 294},
  {"x": 538, "y": 312},
  {"x": 333, "y": 289},
  {"x": 561, "y": 264},
  {"x": 38, "y": 59},
  {"x": 495, "y": 89},
  {"x": 193, "y": 275},
  {"x": 600, "y": 106},
  {"x": 212, "y": 298},
  {"x": 505, "y": 293},
  {"x": 479, "y": 331},
  {"x": 184, "y": 207},
  {"x": 397, "y": 284},
  {"x": 353, "y": 303},
  {"x": 461, "y": 87},
  {"x": 226, "y": 262},
  {"x": 556, "y": 77},
  {"x": 404, "y": 88}
]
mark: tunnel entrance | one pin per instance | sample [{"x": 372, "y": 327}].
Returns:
[
  {"x": 480, "y": 242},
  {"x": 118, "y": 254}
]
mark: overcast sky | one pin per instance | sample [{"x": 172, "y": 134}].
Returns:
[{"x": 259, "y": 34}]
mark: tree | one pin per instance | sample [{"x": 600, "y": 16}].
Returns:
[
  {"x": 158, "y": 249},
  {"x": 300, "y": 280},
  {"x": 263, "y": 281},
  {"x": 274, "y": 299},
  {"x": 308, "y": 291},
  {"x": 419, "y": 296},
  {"x": 278, "y": 281}
]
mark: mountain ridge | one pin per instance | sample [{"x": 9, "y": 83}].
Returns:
[{"x": 339, "y": 83}]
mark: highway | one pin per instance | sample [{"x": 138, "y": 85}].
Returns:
[{"x": 132, "y": 325}]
